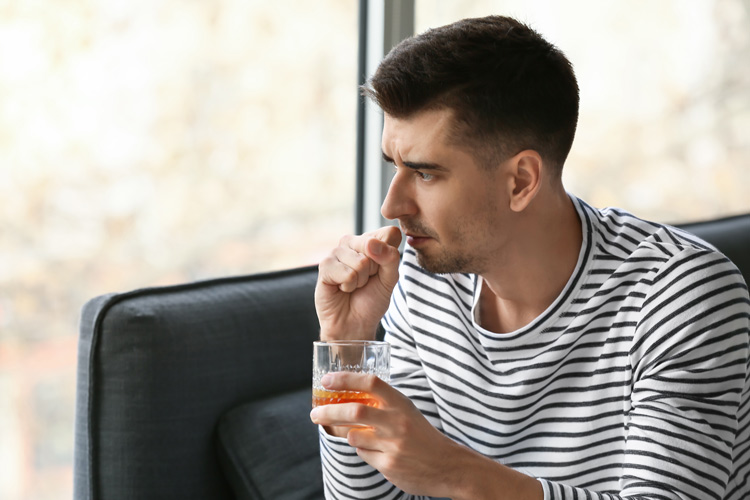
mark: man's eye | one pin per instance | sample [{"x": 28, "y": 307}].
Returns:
[{"x": 424, "y": 176}]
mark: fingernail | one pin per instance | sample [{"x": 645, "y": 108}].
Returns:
[
  {"x": 326, "y": 379},
  {"x": 376, "y": 249},
  {"x": 314, "y": 415}
]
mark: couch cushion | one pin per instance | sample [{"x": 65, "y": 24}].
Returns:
[{"x": 269, "y": 449}]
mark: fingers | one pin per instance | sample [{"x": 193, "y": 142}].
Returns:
[
  {"x": 351, "y": 249},
  {"x": 382, "y": 248},
  {"x": 382, "y": 245},
  {"x": 384, "y": 239},
  {"x": 387, "y": 257},
  {"x": 349, "y": 269},
  {"x": 347, "y": 414},
  {"x": 344, "y": 415},
  {"x": 364, "y": 439},
  {"x": 362, "y": 382},
  {"x": 357, "y": 258}
]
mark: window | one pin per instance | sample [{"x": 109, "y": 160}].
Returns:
[
  {"x": 147, "y": 143},
  {"x": 665, "y": 106}
]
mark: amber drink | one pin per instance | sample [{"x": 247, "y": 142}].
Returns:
[{"x": 362, "y": 356}]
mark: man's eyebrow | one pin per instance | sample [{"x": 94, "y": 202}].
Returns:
[{"x": 417, "y": 165}]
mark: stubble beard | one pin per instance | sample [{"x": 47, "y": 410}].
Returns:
[
  {"x": 446, "y": 261},
  {"x": 442, "y": 264}
]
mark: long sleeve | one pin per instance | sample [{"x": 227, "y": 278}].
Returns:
[{"x": 689, "y": 360}]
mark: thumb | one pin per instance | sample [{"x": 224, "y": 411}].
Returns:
[
  {"x": 389, "y": 234},
  {"x": 387, "y": 257},
  {"x": 382, "y": 246}
]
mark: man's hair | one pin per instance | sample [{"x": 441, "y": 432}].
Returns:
[{"x": 509, "y": 89}]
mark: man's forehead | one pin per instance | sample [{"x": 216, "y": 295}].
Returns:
[
  {"x": 425, "y": 142},
  {"x": 426, "y": 129}
]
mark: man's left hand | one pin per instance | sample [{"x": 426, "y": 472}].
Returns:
[{"x": 396, "y": 438}]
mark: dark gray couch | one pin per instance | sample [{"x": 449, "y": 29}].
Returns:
[
  {"x": 201, "y": 391},
  {"x": 159, "y": 370}
]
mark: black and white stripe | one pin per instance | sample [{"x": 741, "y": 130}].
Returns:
[{"x": 633, "y": 384}]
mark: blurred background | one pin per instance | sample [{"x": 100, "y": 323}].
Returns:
[{"x": 155, "y": 142}]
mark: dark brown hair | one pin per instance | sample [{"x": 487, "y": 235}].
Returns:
[{"x": 509, "y": 88}]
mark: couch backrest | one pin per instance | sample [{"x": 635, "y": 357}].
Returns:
[
  {"x": 731, "y": 235},
  {"x": 157, "y": 368}
]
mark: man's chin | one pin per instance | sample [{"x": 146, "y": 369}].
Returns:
[{"x": 440, "y": 264}]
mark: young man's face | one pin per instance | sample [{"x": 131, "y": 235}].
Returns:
[{"x": 452, "y": 211}]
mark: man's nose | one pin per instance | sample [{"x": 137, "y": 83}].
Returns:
[{"x": 399, "y": 201}]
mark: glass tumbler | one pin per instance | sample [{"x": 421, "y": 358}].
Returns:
[{"x": 361, "y": 356}]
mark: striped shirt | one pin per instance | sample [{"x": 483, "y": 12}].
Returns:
[{"x": 632, "y": 384}]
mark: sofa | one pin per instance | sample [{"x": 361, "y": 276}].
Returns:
[{"x": 202, "y": 390}]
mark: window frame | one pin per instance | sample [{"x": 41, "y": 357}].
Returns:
[{"x": 382, "y": 25}]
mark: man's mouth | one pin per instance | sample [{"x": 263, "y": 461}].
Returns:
[
  {"x": 415, "y": 239},
  {"x": 416, "y": 234}
]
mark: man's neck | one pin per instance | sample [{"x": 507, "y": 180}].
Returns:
[{"x": 535, "y": 269}]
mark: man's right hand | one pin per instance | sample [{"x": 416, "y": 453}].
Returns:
[{"x": 355, "y": 282}]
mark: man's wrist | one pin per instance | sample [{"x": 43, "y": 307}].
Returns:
[
  {"x": 330, "y": 334},
  {"x": 478, "y": 477}
]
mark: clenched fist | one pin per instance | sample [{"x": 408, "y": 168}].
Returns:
[{"x": 355, "y": 282}]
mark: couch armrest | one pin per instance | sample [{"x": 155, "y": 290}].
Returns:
[{"x": 157, "y": 368}]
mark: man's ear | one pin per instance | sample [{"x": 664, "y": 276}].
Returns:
[{"x": 525, "y": 179}]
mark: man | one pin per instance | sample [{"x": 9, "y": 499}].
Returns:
[{"x": 540, "y": 348}]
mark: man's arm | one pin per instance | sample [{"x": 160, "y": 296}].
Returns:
[
  {"x": 688, "y": 421},
  {"x": 689, "y": 362},
  {"x": 409, "y": 411},
  {"x": 410, "y": 453}
]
